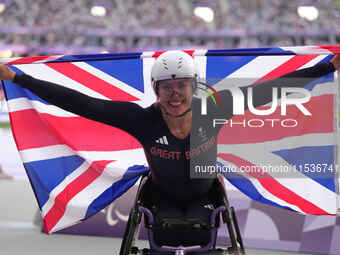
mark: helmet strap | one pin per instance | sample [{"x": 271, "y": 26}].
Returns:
[{"x": 178, "y": 116}]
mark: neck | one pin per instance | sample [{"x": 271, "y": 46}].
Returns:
[{"x": 176, "y": 121}]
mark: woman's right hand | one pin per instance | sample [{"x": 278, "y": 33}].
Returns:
[
  {"x": 6, "y": 73},
  {"x": 336, "y": 61}
]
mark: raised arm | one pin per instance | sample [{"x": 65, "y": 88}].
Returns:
[
  {"x": 109, "y": 112},
  {"x": 262, "y": 92}
]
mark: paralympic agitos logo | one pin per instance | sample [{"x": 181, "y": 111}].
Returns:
[{"x": 300, "y": 97}]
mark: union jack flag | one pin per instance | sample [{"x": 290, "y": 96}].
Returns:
[
  {"x": 77, "y": 166},
  {"x": 307, "y": 151}
]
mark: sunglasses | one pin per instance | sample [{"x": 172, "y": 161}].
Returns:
[{"x": 168, "y": 88}]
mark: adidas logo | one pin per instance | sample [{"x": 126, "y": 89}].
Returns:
[
  {"x": 209, "y": 206},
  {"x": 162, "y": 140}
]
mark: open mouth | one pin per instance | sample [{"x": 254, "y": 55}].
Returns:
[{"x": 175, "y": 103}]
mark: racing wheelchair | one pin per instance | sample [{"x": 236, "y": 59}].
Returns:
[{"x": 188, "y": 226}]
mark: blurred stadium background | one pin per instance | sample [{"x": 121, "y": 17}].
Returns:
[{"x": 48, "y": 27}]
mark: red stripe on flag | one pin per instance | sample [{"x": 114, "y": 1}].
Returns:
[
  {"x": 77, "y": 132},
  {"x": 335, "y": 49},
  {"x": 289, "y": 66},
  {"x": 241, "y": 131},
  {"x": 190, "y": 52},
  {"x": 158, "y": 53},
  {"x": 28, "y": 60},
  {"x": 87, "y": 135},
  {"x": 274, "y": 187},
  {"x": 71, "y": 190},
  {"x": 28, "y": 122},
  {"x": 91, "y": 81}
]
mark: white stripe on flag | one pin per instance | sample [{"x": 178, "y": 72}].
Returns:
[
  {"x": 123, "y": 157},
  {"x": 307, "y": 50},
  {"x": 263, "y": 191},
  {"x": 313, "y": 61},
  {"x": 8, "y": 60},
  {"x": 50, "y": 58},
  {"x": 266, "y": 64},
  {"x": 301, "y": 184},
  {"x": 282, "y": 144},
  {"x": 62, "y": 185},
  {"x": 43, "y": 72},
  {"x": 149, "y": 95},
  {"x": 77, "y": 207},
  {"x": 200, "y": 53},
  {"x": 250, "y": 72},
  {"x": 44, "y": 153},
  {"x": 147, "y": 54},
  {"x": 109, "y": 79},
  {"x": 20, "y": 104},
  {"x": 200, "y": 61}
]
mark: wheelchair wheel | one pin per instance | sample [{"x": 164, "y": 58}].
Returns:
[
  {"x": 133, "y": 224},
  {"x": 238, "y": 233},
  {"x": 234, "y": 232},
  {"x": 131, "y": 230},
  {"x": 235, "y": 235}
]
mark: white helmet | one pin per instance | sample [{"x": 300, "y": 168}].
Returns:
[{"x": 173, "y": 64}]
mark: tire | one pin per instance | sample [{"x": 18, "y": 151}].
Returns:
[{"x": 128, "y": 237}]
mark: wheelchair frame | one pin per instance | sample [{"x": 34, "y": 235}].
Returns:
[{"x": 133, "y": 226}]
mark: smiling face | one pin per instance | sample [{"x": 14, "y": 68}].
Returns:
[{"x": 175, "y": 96}]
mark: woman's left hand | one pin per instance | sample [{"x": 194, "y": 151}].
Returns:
[{"x": 336, "y": 61}]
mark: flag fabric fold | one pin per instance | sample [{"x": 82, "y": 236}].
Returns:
[{"x": 77, "y": 166}]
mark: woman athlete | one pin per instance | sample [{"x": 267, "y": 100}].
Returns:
[{"x": 166, "y": 128}]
